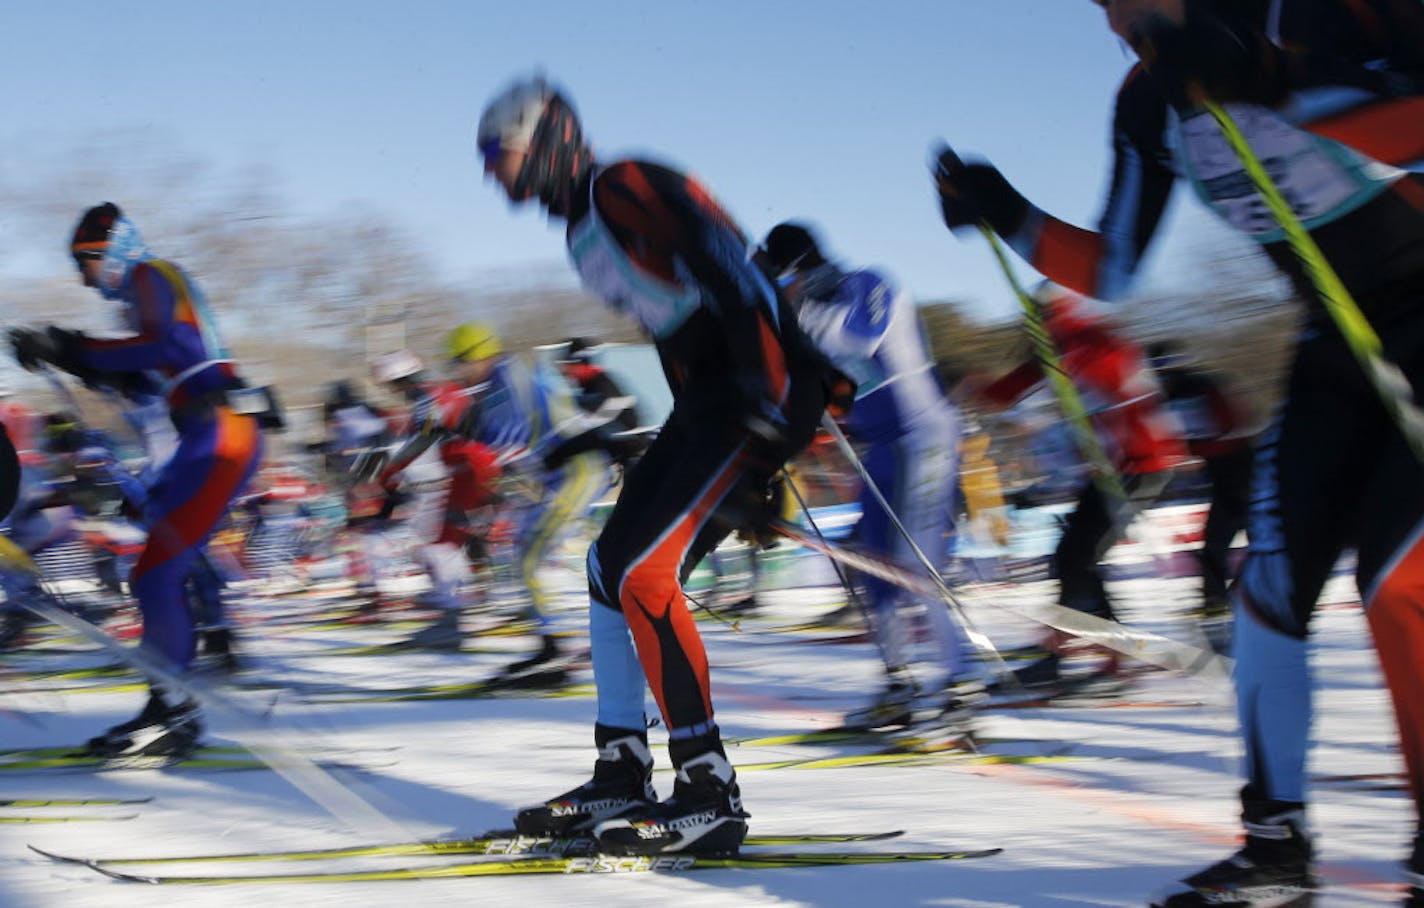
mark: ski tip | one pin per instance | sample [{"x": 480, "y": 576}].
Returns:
[
  {"x": 56, "y": 857},
  {"x": 120, "y": 875}
]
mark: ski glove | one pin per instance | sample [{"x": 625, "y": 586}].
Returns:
[
  {"x": 55, "y": 346},
  {"x": 755, "y": 511},
  {"x": 976, "y": 193},
  {"x": 31, "y": 349}
]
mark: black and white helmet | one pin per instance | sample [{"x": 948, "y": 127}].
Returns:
[
  {"x": 509, "y": 120},
  {"x": 534, "y": 117}
]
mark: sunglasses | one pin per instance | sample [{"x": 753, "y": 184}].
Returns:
[
  {"x": 86, "y": 255},
  {"x": 490, "y": 148}
]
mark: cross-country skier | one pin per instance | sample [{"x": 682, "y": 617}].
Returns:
[
  {"x": 748, "y": 389},
  {"x": 429, "y": 448},
  {"x": 1219, "y": 430},
  {"x": 174, "y": 340},
  {"x": 598, "y": 391},
  {"x": 1329, "y": 93},
  {"x": 871, "y": 330},
  {"x": 1141, "y": 438}
]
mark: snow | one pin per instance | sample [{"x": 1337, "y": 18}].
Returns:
[{"x": 1149, "y": 795}]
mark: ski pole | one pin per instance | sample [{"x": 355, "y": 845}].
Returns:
[
  {"x": 1172, "y": 655},
  {"x": 849, "y": 587},
  {"x": 1089, "y": 445},
  {"x": 1388, "y": 380},
  {"x": 977, "y": 637}
]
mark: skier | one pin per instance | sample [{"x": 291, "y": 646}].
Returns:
[
  {"x": 175, "y": 341},
  {"x": 527, "y": 418},
  {"x": 41, "y": 517},
  {"x": 1219, "y": 433},
  {"x": 871, "y": 330},
  {"x": 1329, "y": 92},
  {"x": 440, "y": 517},
  {"x": 1139, "y": 435},
  {"x": 598, "y": 391},
  {"x": 748, "y": 389}
]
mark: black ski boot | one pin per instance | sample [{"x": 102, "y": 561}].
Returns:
[
  {"x": 704, "y": 816},
  {"x": 548, "y": 658},
  {"x": 1042, "y": 672},
  {"x": 217, "y": 643},
  {"x": 622, "y": 783},
  {"x": 162, "y": 729},
  {"x": 892, "y": 707},
  {"x": 441, "y": 634},
  {"x": 1273, "y": 870},
  {"x": 14, "y": 626},
  {"x": 1414, "y": 875}
]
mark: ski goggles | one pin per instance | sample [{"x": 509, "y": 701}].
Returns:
[
  {"x": 490, "y": 148},
  {"x": 87, "y": 252}
]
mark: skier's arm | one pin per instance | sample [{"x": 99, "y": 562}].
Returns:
[
  {"x": 1097, "y": 263},
  {"x": 155, "y": 301}
]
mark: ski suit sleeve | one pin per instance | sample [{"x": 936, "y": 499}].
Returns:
[
  {"x": 1375, "y": 47},
  {"x": 154, "y": 300},
  {"x": 429, "y": 429},
  {"x": 671, "y": 227}
]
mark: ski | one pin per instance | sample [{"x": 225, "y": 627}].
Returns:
[
  {"x": 844, "y": 735},
  {"x": 595, "y": 863},
  {"x": 75, "y": 759},
  {"x": 496, "y": 843},
  {"x": 70, "y": 802},
  {"x": 1145, "y": 646},
  {"x": 13, "y": 820},
  {"x": 472, "y": 690},
  {"x": 909, "y": 756}
]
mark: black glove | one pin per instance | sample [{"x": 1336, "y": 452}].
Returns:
[
  {"x": 757, "y": 509},
  {"x": 31, "y": 349},
  {"x": 69, "y": 353},
  {"x": 975, "y": 193}
]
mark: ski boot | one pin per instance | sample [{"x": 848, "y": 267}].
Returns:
[
  {"x": 14, "y": 627},
  {"x": 949, "y": 722},
  {"x": 217, "y": 643},
  {"x": 1043, "y": 671},
  {"x": 548, "y": 668},
  {"x": 1273, "y": 869},
  {"x": 893, "y": 707},
  {"x": 704, "y": 816},
  {"x": 162, "y": 729},
  {"x": 1414, "y": 875},
  {"x": 444, "y": 634},
  {"x": 622, "y": 783}
]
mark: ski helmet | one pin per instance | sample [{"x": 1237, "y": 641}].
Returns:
[
  {"x": 104, "y": 234},
  {"x": 532, "y": 116},
  {"x": 91, "y": 236},
  {"x": 473, "y": 341},
  {"x": 790, "y": 248},
  {"x": 395, "y": 366}
]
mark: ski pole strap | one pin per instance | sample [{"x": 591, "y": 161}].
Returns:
[
  {"x": 1388, "y": 380},
  {"x": 1086, "y": 439}
]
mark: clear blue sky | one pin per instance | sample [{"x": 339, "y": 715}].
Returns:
[{"x": 822, "y": 110}]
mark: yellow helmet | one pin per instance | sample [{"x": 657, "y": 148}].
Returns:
[{"x": 472, "y": 341}]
